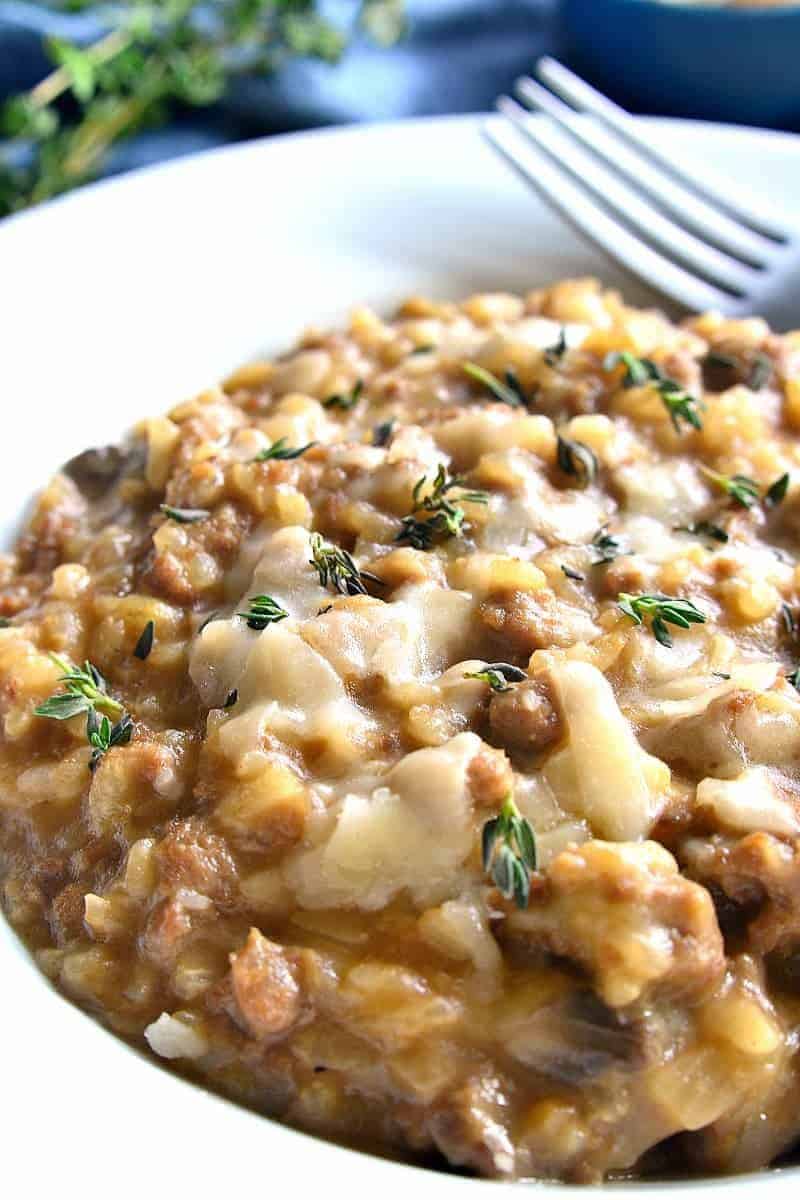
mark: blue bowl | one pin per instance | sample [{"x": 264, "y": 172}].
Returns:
[{"x": 722, "y": 64}]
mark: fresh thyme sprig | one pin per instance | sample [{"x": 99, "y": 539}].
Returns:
[
  {"x": 663, "y": 611},
  {"x": 511, "y": 392},
  {"x": 281, "y": 452},
  {"x": 337, "y": 569},
  {"x": 741, "y": 488},
  {"x": 499, "y": 676},
  {"x": 85, "y": 690},
  {"x": 447, "y": 517},
  {"x": 154, "y": 54},
  {"x": 103, "y": 736},
  {"x": 345, "y": 400},
  {"x": 509, "y": 852},
  {"x": 576, "y": 459},
  {"x": 262, "y": 611},
  {"x": 679, "y": 403},
  {"x": 794, "y": 678}
]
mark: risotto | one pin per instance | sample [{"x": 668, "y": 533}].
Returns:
[{"x": 404, "y": 738}]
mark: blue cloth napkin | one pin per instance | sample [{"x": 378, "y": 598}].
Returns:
[{"x": 456, "y": 57}]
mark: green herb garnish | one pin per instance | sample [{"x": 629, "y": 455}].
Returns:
[
  {"x": 85, "y": 689},
  {"x": 776, "y": 492},
  {"x": 554, "y": 354},
  {"x": 4, "y": 623},
  {"x": 663, "y": 611},
  {"x": 577, "y": 460},
  {"x": 760, "y": 372},
  {"x": 338, "y": 569},
  {"x": 447, "y": 517},
  {"x": 741, "y": 488},
  {"x": 428, "y": 348},
  {"x": 103, "y": 736},
  {"x": 794, "y": 678},
  {"x": 607, "y": 546},
  {"x": 638, "y": 371},
  {"x": 155, "y": 55},
  {"x": 281, "y": 452},
  {"x": 145, "y": 643},
  {"x": 231, "y": 698},
  {"x": 571, "y": 574},
  {"x": 184, "y": 516},
  {"x": 511, "y": 392},
  {"x": 789, "y": 621},
  {"x": 509, "y": 852},
  {"x": 345, "y": 400},
  {"x": 261, "y": 612},
  {"x": 382, "y": 434},
  {"x": 679, "y": 403},
  {"x": 499, "y": 676},
  {"x": 704, "y": 529}
]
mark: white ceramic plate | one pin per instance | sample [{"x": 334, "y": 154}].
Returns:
[{"x": 114, "y": 304}]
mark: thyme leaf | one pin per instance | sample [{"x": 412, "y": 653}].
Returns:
[
  {"x": 607, "y": 546},
  {"x": 576, "y": 459},
  {"x": 262, "y": 611},
  {"x": 382, "y": 434},
  {"x": 281, "y": 452},
  {"x": 662, "y": 611},
  {"x": 345, "y": 400},
  {"x": 511, "y": 392},
  {"x": 554, "y": 354},
  {"x": 184, "y": 516},
  {"x": 776, "y": 492},
  {"x": 84, "y": 689},
  {"x": 572, "y": 574},
  {"x": 103, "y": 736},
  {"x": 499, "y": 676},
  {"x": 337, "y": 568},
  {"x": 704, "y": 529},
  {"x": 508, "y": 846},
  {"x": 638, "y": 372},
  {"x": 741, "y": 488},
  {"x": 447, "y": 517},
  {"x": 145, "y": 643}
]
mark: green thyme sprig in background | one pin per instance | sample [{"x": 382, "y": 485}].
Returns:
[
  {"x": 509, "y": 852},
  {"x": 662, "y": 611},
  {"x": 446, "y": 515},
  {"x": 155, "y": 54}
]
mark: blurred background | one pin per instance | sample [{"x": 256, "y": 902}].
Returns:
[{"x": 344, "y": 60}]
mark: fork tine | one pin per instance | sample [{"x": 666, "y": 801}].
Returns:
[
  {"x": 571, "y": 202},
  {"x": 615, "y": 194},
  {"x": 703, "y": 191}
]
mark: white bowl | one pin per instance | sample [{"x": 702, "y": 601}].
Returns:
[{"x": 113, "y": 304}]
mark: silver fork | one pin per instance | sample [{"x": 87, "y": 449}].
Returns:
[{"x": 694, "y": 237}]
